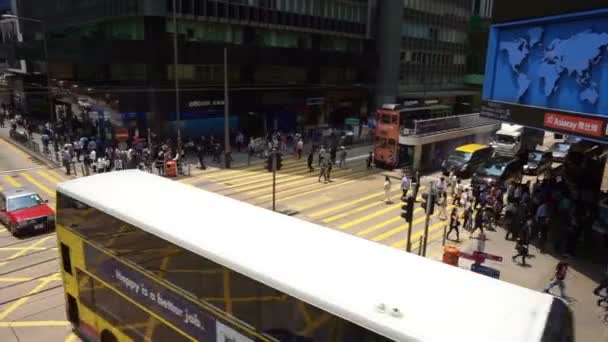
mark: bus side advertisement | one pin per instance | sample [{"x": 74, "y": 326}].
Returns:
[{"x": 185, "y": 314}]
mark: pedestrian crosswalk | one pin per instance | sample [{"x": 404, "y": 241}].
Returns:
[
  {"x": 254, "y": 183},
  {"x": 346, "y": 204}
]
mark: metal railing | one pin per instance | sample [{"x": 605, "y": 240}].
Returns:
[{"x": 450, "y": 123}]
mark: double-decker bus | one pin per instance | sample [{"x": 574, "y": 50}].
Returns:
[
  {"x": 148, "y": 259},
  {"x": 393, "y": 120}
]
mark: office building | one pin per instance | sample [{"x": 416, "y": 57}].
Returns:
[{"x": 292, "y": 64}]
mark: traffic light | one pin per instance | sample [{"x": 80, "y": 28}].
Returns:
[
  {"x": 279, "y": 161},
  {"x": 407, "y": 208},
  {"x": 423, "y": 203},
  {"x": 268, "y": 163}
]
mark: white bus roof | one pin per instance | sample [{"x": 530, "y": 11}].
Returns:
[{"x": 337, "y": 272}]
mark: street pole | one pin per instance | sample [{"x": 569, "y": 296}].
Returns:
[
  {"x": 178, "y": 119},
  {"x": 274, "y": 180},
  {"x": 408, "y": 247},
  {"x": 427, "y": 221},
  {"x": 226, "y": 112},
  {"x": 48, "y": 71}
]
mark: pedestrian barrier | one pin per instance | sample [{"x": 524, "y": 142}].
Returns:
[
  {"x": 171, "y": 168},
  {"x": 451, "y": 255}
]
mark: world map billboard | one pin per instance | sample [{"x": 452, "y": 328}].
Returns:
[{"x": 556, "y": 64}]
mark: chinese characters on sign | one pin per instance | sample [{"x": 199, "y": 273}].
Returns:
[{"x": 574, "y": 124}]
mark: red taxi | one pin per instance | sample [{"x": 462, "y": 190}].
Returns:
[{"x": 23, "y": 210}]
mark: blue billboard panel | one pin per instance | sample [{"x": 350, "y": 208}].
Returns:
[{"x": 558, "y": 63}]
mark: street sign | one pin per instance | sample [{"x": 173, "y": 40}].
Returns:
[
  {"x": 480, "y": 257},
  {"x": 490, "y": 256},
  {"x": 122, "y": 134},
  {"x": 487, "y": 271}
]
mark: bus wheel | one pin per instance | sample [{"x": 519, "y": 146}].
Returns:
[{"x": 107, "y": 336}]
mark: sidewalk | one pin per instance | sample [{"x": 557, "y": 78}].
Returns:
[
  {"x": 586, "y": 270},
  {"x": 239, "y": 159}
]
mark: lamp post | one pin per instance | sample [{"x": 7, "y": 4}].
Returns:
[
  {"x": 46, "y": 55},
  {"x": 178, "y": 119}
]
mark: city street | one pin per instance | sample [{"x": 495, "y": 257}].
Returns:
[{"x": 31, "y": 295}]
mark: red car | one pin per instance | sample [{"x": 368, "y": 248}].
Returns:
[{"x": 23, "y": 210}]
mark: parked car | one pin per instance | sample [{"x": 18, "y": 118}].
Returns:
[
  {"x": 499, "y": 171},
  {"x": 464, "y": 160},
  {"x": 559, "y": 151},
  {"x": 23, "y": 210},
  {"x": 538, "y": 163}
]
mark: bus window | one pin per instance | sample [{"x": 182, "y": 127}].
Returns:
[
  {"x": 386, "y": 118},
  {"x": 395, "y": 119},
  {"x": 380, "y": 142},
  {"x": 391, "y": 144}
]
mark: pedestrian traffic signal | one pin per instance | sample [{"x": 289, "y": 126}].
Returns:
[
  {"x": 424, "y": 203},
  {"x": 279, "y": 161},
  {"x": 268, "y": 163},
  {"x": 407, "y": 208}
]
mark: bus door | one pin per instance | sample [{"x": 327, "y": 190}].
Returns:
[{"x": 386, "y": 140}]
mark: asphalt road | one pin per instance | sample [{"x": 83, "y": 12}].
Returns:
[{"x": 31, "y": 294}]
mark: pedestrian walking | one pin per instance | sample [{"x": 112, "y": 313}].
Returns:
[
  {"x": 387, "y": 189},
  {"x": 458, "y": 188},
  {"x": 200, "y": 152},
  {"x": 310, "y": 160},
  {"x": 330, "y": 166},
  {"x": 454, "y": 225},
  {"x": 299, "y": 148},
  {"x": 558, "y": 279},
  {"x": 323, "y": 170},
  {"x": 240, "y": 141},
  {"x": 405, "y": 185},
  {"x": 416, "y": 184},
  {"x": 443, "y": 205},
  {"x": 321, "y": 156},
  {"x": 333, "y": 153},
  {"x": 522, "y": 251},
  {"x": 343, "y": 153},
  {"x": 370, "y": 160},
  {"x": 66, "y": 157},
  {"x": 478, "y": 224}
]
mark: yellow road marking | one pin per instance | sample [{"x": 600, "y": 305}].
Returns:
[
  {"x": 27, "y": 324},
  {"x": 1, "y": 188},
  {"x": 302, "y": 179},
  {"x": 71, "y": 338},
  {"x": 12, "y": 181},
  {"x": 369, "y": 216},
  {"x": 38, "y": 184},
  {"x": 257, "y": 173},
  {"x": 227, "y": 299},
  {"x": 229, "y": 174},
  {"x": 28, "y": 248},
  {"x": 57, "y": 175},
  {"x": 432, "y": 228},
  {"x": 379, "y": 226},
  {"x": 304, "y": 312},
  {"x": 401, "y": 228},
  {"x": 315, "y": 190},
  {"x": 352, "y": 211},
  {"x": 315, "y": 202},
  {"x": 15, "y": 279},
  {"x": 48, "y": 177},
  {"x": 16, "y": 304},
  {"x": 24, "y": 250},
  {"x": 323, "y": 187},
  {"x": 348, "y": 204},
  {"x": 263, "y": 183},
  {"x": 2, "y": 230}
]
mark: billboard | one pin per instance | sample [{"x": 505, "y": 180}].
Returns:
[
  {"x": 10, "y": 35},
  {"x": 550, "y": 73}
]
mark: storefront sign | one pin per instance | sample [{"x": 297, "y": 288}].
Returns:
[
  {"x": 207, "y": 103},
  {"x": 574, "y": 124},
  {"x": 583, "y": 125}
]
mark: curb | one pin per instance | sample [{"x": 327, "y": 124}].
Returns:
[{"x": 31, "y": 153}]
